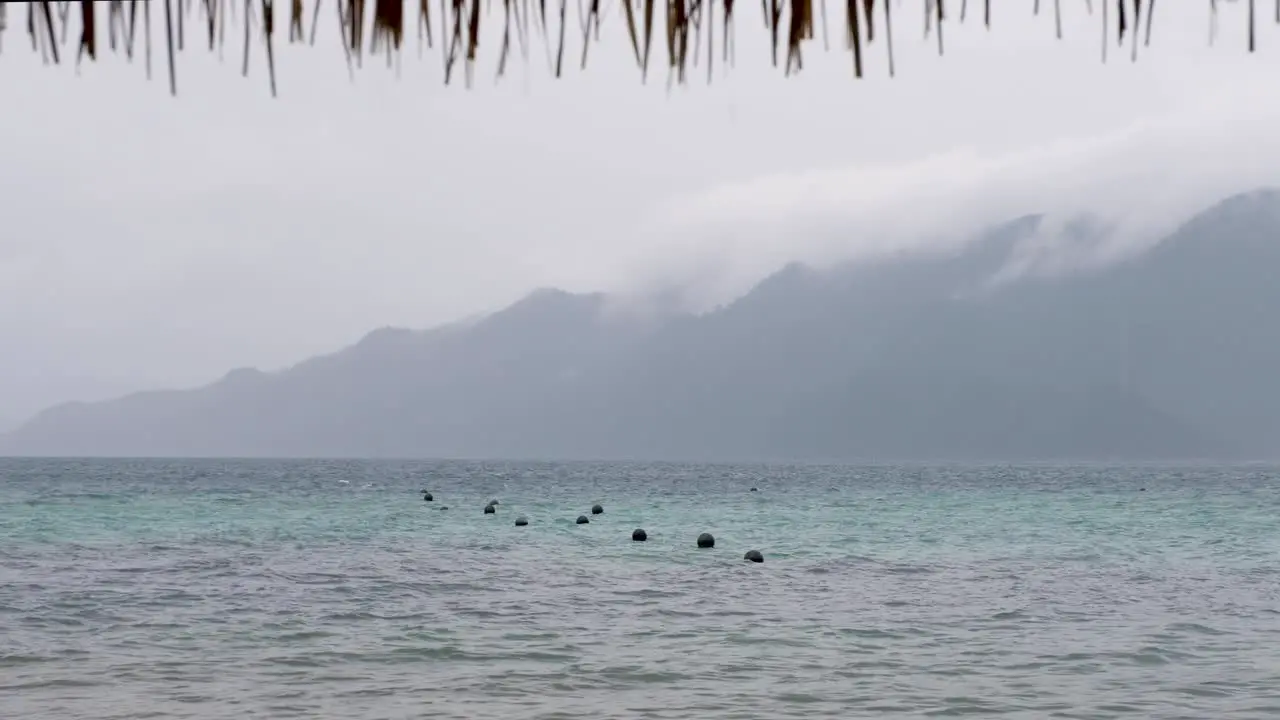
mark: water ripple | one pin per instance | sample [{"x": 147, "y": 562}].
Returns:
[{"x": 210, "y": 589}]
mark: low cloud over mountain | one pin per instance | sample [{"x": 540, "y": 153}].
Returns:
[{"x": 977, "y": 353}]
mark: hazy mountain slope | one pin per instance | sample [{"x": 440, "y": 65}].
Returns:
[
  {"x": 379, "y": 396},
  {"x": 1168, "y": 355}
]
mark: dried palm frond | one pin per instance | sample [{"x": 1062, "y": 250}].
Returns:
[{"x": 790, "y": 24}]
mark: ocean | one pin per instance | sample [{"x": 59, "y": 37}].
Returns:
[{"x": 325, "y": 589}]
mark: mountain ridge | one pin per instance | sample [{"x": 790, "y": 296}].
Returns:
[{"x": 915, "y": 357}]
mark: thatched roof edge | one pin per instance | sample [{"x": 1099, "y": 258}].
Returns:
[{"x": 377, "y": 26}]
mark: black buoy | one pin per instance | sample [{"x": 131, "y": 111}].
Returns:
[
  {"x": 522, "y": 521},
  {"x": 753, "y": 556},
  {"x": 427, "y": 497},
  {"x": 755, "y": 489},
  {"x": 444, "y": 507},
  {"x": 639, "y": 535},
  {"x": 596, "y": 509},
  {"x": 706, "y": 540},
  {"x": 489, "y": 510},
  {"x": 582, "y": 520}
]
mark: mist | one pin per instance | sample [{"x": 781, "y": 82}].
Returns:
[
  {"x": 181, "y": 238},
  {"x": 1135, "y": 185}
]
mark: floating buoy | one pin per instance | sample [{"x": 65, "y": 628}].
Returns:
[
  {"x": 753, "y": 556},
  {"x": 706, "y": 540},
  {"x": 755, "y": 489},
  {"x": 596, "y": 509},
  {"x": 427, "y": 497},
  {"x": 582, "y": 520},
  {"x": 489, "y": 510},
  {"x": 522, "y": 521},
  {"x": 639, "y": 535}
]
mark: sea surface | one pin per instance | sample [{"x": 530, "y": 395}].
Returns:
[{"x": 321, "y": 589}]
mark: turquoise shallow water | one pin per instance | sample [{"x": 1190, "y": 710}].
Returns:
[{"x": 203, "y": 589}]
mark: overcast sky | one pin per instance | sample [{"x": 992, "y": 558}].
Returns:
[{"x": 151, "y": 242}]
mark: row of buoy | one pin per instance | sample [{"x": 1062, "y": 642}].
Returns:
[{"x": 705, "y": 540}]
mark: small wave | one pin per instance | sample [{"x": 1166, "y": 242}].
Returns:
[
  {"x": 647, "y": 593},
  {"x": 1148, "y": 657},
  {"x": 899, "y": 569},
  {"x": 640, "y": 675},
  {"x": 1195, "y": 628},
  {"x": 20, "y": 660},
  {"x": 55, "y": 683},
  {"x": 962, "y": 706},
  {"x": 668, "y": 612},
  {"x": 871, "y": 633},
  {"x": 748, "y": 640},
  {"x": 303, "y": 636},
  {"x": 794, "y": 698},
  {"x": 1206, "y": 690},
  {"x": 1010, "y": 615}
]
